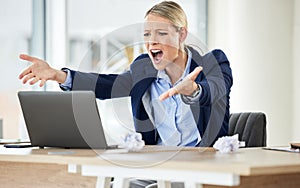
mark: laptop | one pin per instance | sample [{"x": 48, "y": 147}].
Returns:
[{"x": 67, "y": 119}]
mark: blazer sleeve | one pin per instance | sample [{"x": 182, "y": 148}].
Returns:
[
  {"x": 212, "y": 111},
  {"x": 216, "y": 78},
  {"x": 105, "y": 86}
]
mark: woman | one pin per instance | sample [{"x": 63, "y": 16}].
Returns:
[{"x": 178, "y": 97}]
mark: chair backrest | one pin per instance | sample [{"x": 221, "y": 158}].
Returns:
[{"x": 251, "y": 127}]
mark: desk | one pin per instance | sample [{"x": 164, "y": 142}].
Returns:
[{"x": 249, "y": 167}]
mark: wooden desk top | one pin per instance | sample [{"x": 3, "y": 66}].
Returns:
[{"x": 245, "y": 162}]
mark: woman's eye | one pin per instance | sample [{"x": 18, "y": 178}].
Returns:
[
  {"x": 146, "y": 34},
  {"x": 162, "y": 33}
]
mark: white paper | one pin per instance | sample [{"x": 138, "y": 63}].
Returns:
[{"x": 227, "y": 144}]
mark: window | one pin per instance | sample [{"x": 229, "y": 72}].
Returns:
[{"x": 15, "y": 38}]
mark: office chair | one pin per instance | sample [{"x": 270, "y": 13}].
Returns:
[{"x": 251, "y": 127}]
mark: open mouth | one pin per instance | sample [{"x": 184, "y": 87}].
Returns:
[{"x": 157, "y": 55}]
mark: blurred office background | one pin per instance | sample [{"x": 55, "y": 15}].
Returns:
[{"x": 260, "y": 38}]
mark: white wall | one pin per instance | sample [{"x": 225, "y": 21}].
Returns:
[
  {"x": 257, "y": 36},
  {"x": 296, "y": 71}
]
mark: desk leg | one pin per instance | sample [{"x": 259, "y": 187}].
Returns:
[
  {"x": 189, "y": 184},
  {"x": 120, "y": 182},
  {"x": 163, "y": 184},
  {"x": 103, "y": 182},
  {"x": 73, "y": 168}
]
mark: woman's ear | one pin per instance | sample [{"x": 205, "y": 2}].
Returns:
[{"x": 182, "y": 34}]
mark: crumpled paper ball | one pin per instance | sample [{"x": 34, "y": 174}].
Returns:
[
  {"x": 228, "y": 144},
  {"x": 133, "y": 141}
]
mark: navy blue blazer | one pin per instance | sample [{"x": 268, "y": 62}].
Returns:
[{"x": 211, "y": 112}]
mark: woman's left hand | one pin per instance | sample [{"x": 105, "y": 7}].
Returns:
[{"x": 186, "y": 87}]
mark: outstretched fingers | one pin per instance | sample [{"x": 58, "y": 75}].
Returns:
[
  {"x": 29, "y": 58},
  {"x": 34, "y": 80},
  {"x": 28, "y": 77},
  {"x": 25, "y": 72},
  {"x": 185, "y": 87},
  {"x": 42, "y": 83},
  {"x": 37, "y": 71},
  {"x": 169, "y": 93},
  {"x": 193, "y": 75}
]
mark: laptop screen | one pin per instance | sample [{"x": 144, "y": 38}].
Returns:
[{"x": 62, "y": 119}]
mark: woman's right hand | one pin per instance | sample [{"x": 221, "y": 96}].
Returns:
[
  {"x": 40, "y": 70},
  {"x": 186, "y": 87}
]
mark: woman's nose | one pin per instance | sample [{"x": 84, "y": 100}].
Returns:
[{"x": 153, "y": 39}]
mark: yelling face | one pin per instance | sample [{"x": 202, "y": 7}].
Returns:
[{"x": 162, "y": 41}]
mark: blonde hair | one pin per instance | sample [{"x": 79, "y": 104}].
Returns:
[{"x": 171, "y": 11}]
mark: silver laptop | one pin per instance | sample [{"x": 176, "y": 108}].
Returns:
[{"x": 63, "y": 119}]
